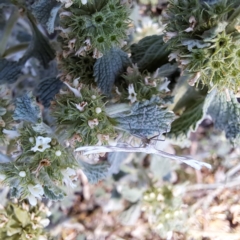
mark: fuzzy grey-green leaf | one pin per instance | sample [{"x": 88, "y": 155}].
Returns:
[
  {"x": 39, "y": 47},
  {"x": 188, "y": 120},
  {"x": 26, "y": 109},
  {"x": 95, "y": 172},
  {"x": 45, "y": 11},
  {"x": 109, "y": 67},
  {"x": 9, "y": 71},
  {"x": 226, "y": 115},
  {"x": 146, "y": 118},
  {"x": 47, "y": 89},
  {"x": 150, "y": 53}
]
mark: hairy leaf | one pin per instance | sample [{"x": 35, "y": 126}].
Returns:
[
  {"x": 130, "y": 216},
  {"x": 47, "y": 89},
  {"x": 109, "y": 67},
  {"x": 146, "y": 118},
  {"x": 115, "y": 159},
  {"x": 160, "y": 167},
  {"x": 26, "y": 109},
  {"x": 45, "y": 11},
  {"x": 9, "y": 71},
  {"x": 53, "y": 192},
  {"x": 213, "y": 32},
  {"x": 192, "y": 116},
  {"x": 39, "y": 47},
  {"x": 4, "y": 158},
  {"x": 226, "y": 115},
  {"x": 131, "y": 194},
  {"x": 4, "y": 3},
  {"x": 150, "y": 53},
  {"x": 167, "y": 70},
  {"x": 95, "y": 172},
  {"x": 189, "y": 120},
  {"x": 14, "y": 192}
]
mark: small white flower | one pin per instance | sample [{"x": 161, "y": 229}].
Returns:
[
  {"x": 88, "y": 41},
  {"x": 67, "y": 3},
  {"x": 22, "y": 174},
  {"x": 65, "y": 13},
  {"x": 189, "y": 29},
  {"x": 76, "y": 82},
  {"x": 32, "y": 200},
  {"x": 31, "y": 140},
  {"x": 42, "y": 237},
  {"x": 67, "y": 173},
  {"x": 98, "y": 110},
  {"x": 93, "y": 123},
  {"x": 194, "y": 79},
  {"x": 192, "y": 21},
  {"x": 58, "y": 153},
  {"x": 132, "y": 94},
  {"x": 71, "y": 43},
  {"x": 44, "y": 222},
  {"x": 84, "y": 2},
  {"x": 164, "y": 85},
  {"x": 41, "y": 144},
  {"x": 172, "y": 56},
  {"x": 93, "y": 97},
  {"x": 81, "y": 106},
  {"x": 97, "y": 54},
  {"x": 169, "y": 35},
  {"x": 36, "y": 191},
  {"x": 75, "y": 91}
]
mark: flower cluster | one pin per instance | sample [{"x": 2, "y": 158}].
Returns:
[
  {"x": 83, "y": 118},
  {"x": 21, "y": 221},
  {"x": 204, "y": 40},
  {"x": 42, "y": 164},
  {"x": 140, "y": 87},
  {"x": 94, "y": 27},
  {"x": 164, "y": 209}
]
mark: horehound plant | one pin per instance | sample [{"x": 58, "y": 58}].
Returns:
[{"x": 108, "y": 95}]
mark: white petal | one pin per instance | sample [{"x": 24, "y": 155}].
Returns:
[
  {"x": 32, "y": 200},
  {"x": 36, "y": 190},
  {"x": 41, "y": 144},
  {"x": 44, "y": 222}
]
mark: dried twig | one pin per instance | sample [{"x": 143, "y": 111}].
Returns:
[{"x": 149, "y": 149}]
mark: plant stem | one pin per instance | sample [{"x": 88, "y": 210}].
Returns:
[
  {"x": 16, "y": 48},
  {"x": 8, "y": 29}
]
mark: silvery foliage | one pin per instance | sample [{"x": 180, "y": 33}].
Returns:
[{"x": 144, "y": 120}]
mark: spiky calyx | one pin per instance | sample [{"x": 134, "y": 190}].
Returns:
[
  {"x": 84, "y": 117},
  {"x": 96, "y": 26},
  {"x": 40, "y": 161},
  {"x": 77, "y": 67},
  {"x": 204, "y": 40},
  {"x": 142, "y": 85}
]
